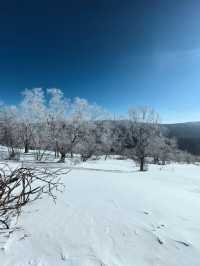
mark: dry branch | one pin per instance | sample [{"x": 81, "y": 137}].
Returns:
[{"x": 23, "y": 185}]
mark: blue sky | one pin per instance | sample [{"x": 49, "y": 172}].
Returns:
[{"x": 115, "y": 53}]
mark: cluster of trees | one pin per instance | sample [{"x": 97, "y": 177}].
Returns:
[{"x": 48, "y": 121}]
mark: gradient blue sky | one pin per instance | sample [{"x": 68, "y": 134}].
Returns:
[{"x": 115, "y": 53}]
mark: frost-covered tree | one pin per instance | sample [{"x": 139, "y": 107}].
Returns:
[
  {"x": 41, "y": 141},
  {"x": 69, "y": 126},
  {"x": 58, "y": 108},
  {"x": 78, "y": 133},
  {"x": 82, "y": 114},
  {"x": 104, "y": 137},
  {"x": 9, "y": 130},
  {"x": 88, "y": 145},
  {"x": 163, "y": 149},
  {"x": 142, "y": 131},
  {"x": 181, "y": 156},
  {"x": 32, "y": 111}
]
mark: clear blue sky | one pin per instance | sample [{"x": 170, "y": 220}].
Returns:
[{"x": 115, "y": 53}]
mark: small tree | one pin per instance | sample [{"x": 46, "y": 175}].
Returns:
[
  {"x": 9, "y": 131},
  {"x": 167, "y": 150}
]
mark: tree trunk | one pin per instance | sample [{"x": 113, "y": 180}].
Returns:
[
  {"x": 163, "y": 162},
  {"x": 156, "y": 160},
  {"x": 142, "y": 164},
  {"x": 26, "y": 148},
  {"x": 56, "y": 151},
  {"x": 12, "y": 154},
  {"x": 62, "y": 158}
]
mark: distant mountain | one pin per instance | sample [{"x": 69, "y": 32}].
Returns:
[
  {"x": 185, "y": 130},
  {"x": 187, "y": 135}
]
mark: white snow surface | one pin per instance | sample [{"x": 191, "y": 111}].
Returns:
[{"x": 112, "y": 215}]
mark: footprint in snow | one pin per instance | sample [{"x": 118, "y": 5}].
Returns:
[
  {"x": 182, "y": 243},
  {"x": 36, "y": 263},
  {"x": 114, "y": 203},
  {"x": 159, "y": 241}
]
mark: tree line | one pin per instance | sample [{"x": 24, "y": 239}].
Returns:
[{"x": 47, "y": 121}]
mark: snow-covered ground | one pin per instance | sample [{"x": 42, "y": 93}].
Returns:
[{"x": 111, "y": 215}]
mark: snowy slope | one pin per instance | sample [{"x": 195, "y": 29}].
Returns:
[{"x": 113, "y": 219}]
